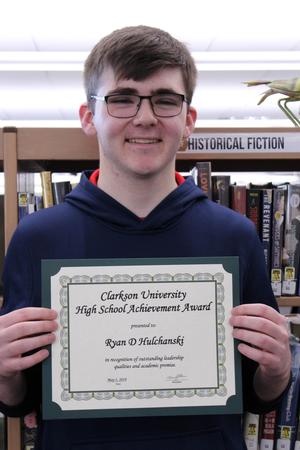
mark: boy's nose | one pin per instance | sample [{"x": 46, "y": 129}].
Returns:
[{"x": 145, "y": 112}]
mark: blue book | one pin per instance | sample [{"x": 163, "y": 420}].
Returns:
[{"x": 287, "y": 421}]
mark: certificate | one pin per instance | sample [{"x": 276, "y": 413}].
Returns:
[{"x": 141, "y": 337}]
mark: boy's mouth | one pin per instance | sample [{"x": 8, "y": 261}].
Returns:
[{"x": 143, "y": 140}]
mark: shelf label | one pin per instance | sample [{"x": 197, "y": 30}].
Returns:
[{"x": 227, "y": 142}]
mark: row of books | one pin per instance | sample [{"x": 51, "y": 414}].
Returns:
[
  {"x": 279, "y": 429},
  {"x": 53, "y": 193},
  {"x": 29, "y": 432},
  {"x": 31, "y": 199},
  {"x": 275, "y": 211}
]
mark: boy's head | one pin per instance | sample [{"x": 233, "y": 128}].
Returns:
[{"x": 136, "y": 53}]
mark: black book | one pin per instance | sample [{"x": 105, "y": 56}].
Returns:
[
  {"x": 221, "y": 189},
  {"x": 59, "y": 190},
  {"x": 253, "y": 207}
]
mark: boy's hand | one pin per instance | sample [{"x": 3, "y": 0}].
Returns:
[
  {"x": 264, "y": 337},
  {"x": 22, "y": 331}
]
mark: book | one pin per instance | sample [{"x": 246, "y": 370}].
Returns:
[
  {"x": 38, "y": 202},
  {"x": 266, "y": 224},
  {"x": 253, "y": 207},
  {"x": 220, "y": 189},
  {"x": 2, "y": 432},
  {"x": 26, "y": 204},
  {"x": 291, "y": 253},
  {"x": 251, "y": 430},
  {"x": 25, "y": 182},
  {"x": 46, "y": 181},
  {"x": 297, "y": 442},
  {"x": 29, "y": 430},
  {"x": 267, "y": 430},
  {"x": 238, "y": 198},
  {"x": 278, "y": 213},
  {"x": 59, "y": 190},
  {"x": 288, "y": 412},
  {"x": 259, "y": 199},
  {"x": 202, "y": 176}
]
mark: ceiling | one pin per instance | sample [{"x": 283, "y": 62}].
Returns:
[{"x": 232, "y": 42}]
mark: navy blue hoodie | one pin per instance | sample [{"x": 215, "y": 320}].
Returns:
[{"x": 91, "y": 224}]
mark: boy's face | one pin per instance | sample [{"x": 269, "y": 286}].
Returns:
[{"x": 145, "y": 144}]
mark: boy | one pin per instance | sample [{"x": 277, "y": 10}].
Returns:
[{"x": 139, "y": 83}]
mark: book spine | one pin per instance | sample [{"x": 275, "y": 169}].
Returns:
[
  {"x": 59, "y": 190},
  {"x": 2, "y": 432},
  {"x": 288, "y": 411},
  {"x": 267, "y": 430},
  {"x": 266, "y": 225},
  {"x": 29, "y": 431},
  {"x": 253, "y": 207},
  {"x": 291, "y": 241},
  {"x": 25, "y": 204},
  {"x": 251, "y": 428},
  {"x": 220, "y": 189},
  {"x": 203, "y": 175},
  {"x": 297, "y": 442},
  {"x": 238, "y": 198},
  {"x": 47, "y": 189},
  {"x": 278, "y": 212},
  {"x": 38, "y": 202}
]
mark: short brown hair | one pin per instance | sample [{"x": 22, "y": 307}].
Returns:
[{"x": 136, "y": 53}]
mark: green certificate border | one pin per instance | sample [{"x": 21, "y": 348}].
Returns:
[{"x": 51, "y": 410}]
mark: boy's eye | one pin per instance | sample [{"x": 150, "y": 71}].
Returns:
[
  {"x": 165, "y": 100},
  {"x": 122, "y": 99}
]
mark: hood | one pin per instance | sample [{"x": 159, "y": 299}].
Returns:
[{"x": 93, "y": 201}]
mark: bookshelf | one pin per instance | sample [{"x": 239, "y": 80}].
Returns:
[{"x": 68, "y": 149}]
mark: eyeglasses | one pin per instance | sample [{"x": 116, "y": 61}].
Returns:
[{"x": 124, "y": 106}]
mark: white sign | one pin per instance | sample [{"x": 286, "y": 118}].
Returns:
[{"x": 278, "y": 142}]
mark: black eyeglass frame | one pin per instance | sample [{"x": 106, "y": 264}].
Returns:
[{"x": 106, "y": 98}]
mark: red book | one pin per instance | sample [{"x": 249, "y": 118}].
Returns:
[{"x": 238, "y": 198}]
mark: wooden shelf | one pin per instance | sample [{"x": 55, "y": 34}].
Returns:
[
  {"x": 288, "y": 301},
  {"x": 55, "y": 144}
]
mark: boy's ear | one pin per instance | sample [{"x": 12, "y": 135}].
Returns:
[
  {"x": 191, "y": 118},
  {"x": 86, "y": 119}
]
